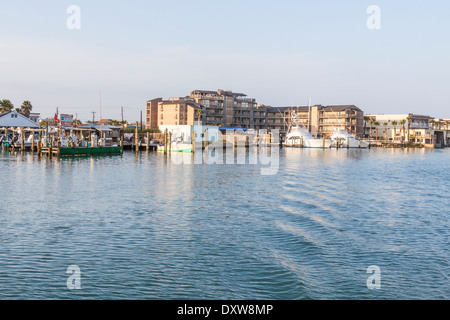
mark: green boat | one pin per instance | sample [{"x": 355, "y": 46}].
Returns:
[{"x": 91, "y": 151}]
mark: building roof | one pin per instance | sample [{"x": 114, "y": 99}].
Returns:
[
  {"x": 104, "y": 127},
  {"x": 220, "y": 92},
  {"x": 341, "y": 108},
  {"x": 232, "y": 129},
  {"x": 336, "y": 108},
  {"x": 14, "y": 119},
  {"x": 191, "y": 103}
]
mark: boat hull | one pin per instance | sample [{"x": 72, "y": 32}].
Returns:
[
  {"x": 310, "y": 143},
  {"x": 353, "y": 144},
  {"x": 91, "y": 151},
  {"x": 179, "y": 147}
]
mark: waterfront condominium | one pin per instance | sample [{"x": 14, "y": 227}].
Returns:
[
  {"x": 215, "y": 108},
  {"x": 229, "y": 109},
  {"x": 414, "y": 128},
  {"x": 319, "y": 120}
]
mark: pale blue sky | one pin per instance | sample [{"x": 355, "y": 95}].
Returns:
[{"x": 279, "y": 52}]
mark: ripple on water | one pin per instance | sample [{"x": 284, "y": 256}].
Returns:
[{"x": 141, "y": 227}]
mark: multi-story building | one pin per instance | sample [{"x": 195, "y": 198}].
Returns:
[
  {"x": 177, "y": 111},
  {"x": 171, "y": 112},
  {"x": 229, "y": 109},
  {"x": 225, "y": 108},
  {"x": 320, "y": 120},
  {"x": 409, "y": 127},
  {"x": 152, "y": 113},
  {"x": 214, "y": 108},
  {"x": 35, "y": 117},
  {"x": 398, "y": 127}
]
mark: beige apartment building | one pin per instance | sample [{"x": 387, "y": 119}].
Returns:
[
  {"x": 225, "y": 108},
  {"x": 229, "y": 109},
  {"x": 320, "y": 120},
  {"x": 214, "y": 108},
  {"x": 174, "y": 111}
]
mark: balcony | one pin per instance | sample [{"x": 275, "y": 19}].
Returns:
[
  {"x": 419, "y": 126},
  {"x": 206, "y": 97},
  {"x": 249, "y": 100}
]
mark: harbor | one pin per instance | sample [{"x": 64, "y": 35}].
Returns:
[
  {"x": 199, "y": 232},
  {"x": 224, "y": 159}
]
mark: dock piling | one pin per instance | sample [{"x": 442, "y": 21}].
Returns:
[{"x": 136, "y": 137}]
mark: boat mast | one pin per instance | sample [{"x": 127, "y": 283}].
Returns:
[
  {"x": 309, "y": 115},
  {"x": 101, "y": 123}
]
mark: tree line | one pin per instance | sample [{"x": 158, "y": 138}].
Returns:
[{"x": 7, "y": 106}]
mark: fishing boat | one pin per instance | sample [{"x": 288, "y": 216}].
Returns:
[
  {"x": 27, "y": 143},
  {"x": 300, "y": 137},
  {"x": 341, "y": 138},
  {"x": 176, "y": 145}
]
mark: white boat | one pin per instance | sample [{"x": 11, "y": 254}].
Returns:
[
  {"x": 300, "y": 137},
  {"x": 177, "y": 147},
  {"x": 27, "y": 143},
  {"x": 346, "y": 140}
]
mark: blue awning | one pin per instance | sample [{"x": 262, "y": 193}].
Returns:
[{"x": 231, "y": 129}]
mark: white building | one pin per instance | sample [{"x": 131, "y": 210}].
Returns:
[
  {"x": 400, "y": 128},
  {"x": 183, "y": 133},
  {"x": 13, "y": 120}
]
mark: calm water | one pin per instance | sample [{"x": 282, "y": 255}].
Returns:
[{"x": 141, "y": 227}]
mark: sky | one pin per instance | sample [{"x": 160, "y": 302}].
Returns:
[{"x": 279, "y": 52}]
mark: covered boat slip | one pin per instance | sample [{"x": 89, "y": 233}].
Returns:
[{"x": 20, "y": 138}]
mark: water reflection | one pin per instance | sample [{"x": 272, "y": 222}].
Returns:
[{"x": 142, "y": 226}]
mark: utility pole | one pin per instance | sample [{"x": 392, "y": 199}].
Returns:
[
  {"x": 141, "y": 121},
  {"x": 93, "y": 117},
  {"x": 122, "y": 113}
]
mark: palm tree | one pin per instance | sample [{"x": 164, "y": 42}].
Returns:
[
  {"x": 438, "y": 124},
  {"x": 371, "y": 123},
  {"x": 366, "y": 119},
  {"x": 385, "y": 131},
  {"x": 115, "y": 123},
  {"x": 432, "y": 123},
  {"x": 6, "y": 106},
  {"x": 199, "y": 114},
  {"x": 394, "y": 123},
  {"x": 26, "y": 108},
  {"x": 409, "y": 127},
  {"x": 403, "y": 122},
  {"x": 376, "y": 124}
]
